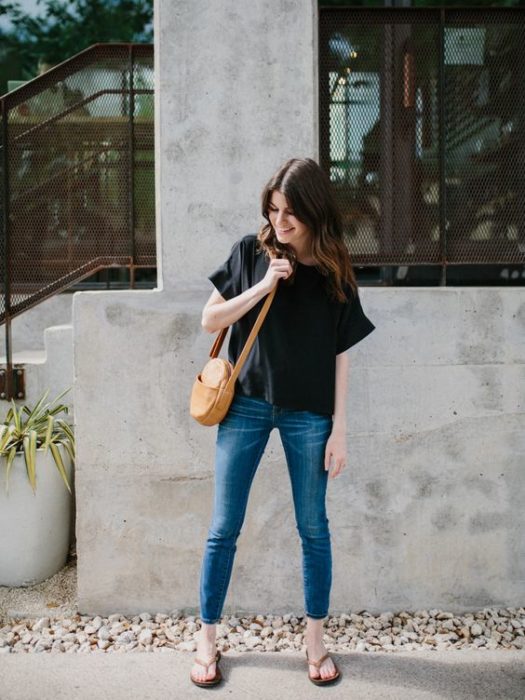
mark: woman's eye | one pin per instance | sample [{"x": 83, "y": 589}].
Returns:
[{"x": 291, "y": 213}]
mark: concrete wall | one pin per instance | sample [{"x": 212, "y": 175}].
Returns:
[
  {"x": 428, "y": 511},
  {"x": 235, "y": 98},
  {"x": 27, "y": 330}
]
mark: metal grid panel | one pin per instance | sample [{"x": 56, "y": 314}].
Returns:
[
  {"x": 485, "y": 126},
  {"x": 422, "y": 131},
  {"x": 77, "y": 171},
  {"x": 144, "y": 158}
]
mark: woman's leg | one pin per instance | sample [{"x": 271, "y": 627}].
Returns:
[
  {"x": 304, "y": 435},
  {"x": 241, "y": 438}
]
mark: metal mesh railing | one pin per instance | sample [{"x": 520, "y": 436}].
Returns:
[
  {"x": 422, "y": 131},
  {"x": 77, "y": 173}
]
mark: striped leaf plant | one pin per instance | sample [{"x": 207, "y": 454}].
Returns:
[{"x": 26, "y": 430}]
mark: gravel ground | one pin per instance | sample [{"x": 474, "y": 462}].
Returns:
[
  {"x": 55, "y": 596},
  {"x": 45, "y": 618}
]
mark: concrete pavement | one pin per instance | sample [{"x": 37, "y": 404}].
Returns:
[{"x": 413, "y": 675}]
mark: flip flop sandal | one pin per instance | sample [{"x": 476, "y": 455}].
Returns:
[
  {"x": 317, "y": 664},
  {"x": 211, "y": 681}
]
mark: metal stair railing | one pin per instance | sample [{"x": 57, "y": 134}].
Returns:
[{"x": 77, "y": 179}]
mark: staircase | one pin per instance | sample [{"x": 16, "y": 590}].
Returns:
[{"x": 77, "y": 184}]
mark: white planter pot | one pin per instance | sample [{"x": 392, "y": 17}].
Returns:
[{"x": 35, "y": 527}]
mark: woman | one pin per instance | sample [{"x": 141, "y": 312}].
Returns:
[{"x": 294, "y": 379}]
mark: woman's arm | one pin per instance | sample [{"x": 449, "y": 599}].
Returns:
[
  {"x": 336, "y": 443},
  {"x": 219, "y": 313},
  {"x": 342, "y": 364}
]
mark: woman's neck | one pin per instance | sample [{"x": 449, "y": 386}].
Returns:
[{"x": 305, "y": 256}]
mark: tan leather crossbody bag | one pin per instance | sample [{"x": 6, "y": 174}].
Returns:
[{"x": 214, "y": 387}]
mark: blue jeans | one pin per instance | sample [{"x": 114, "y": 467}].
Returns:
[{"x": 241, "y": 438}]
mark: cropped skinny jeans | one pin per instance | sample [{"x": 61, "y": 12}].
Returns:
[{"x": 241, "y": 439}]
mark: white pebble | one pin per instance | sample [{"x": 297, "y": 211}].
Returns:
[
  {"x": 39, "y": 624},
  {"x": 145, "y": 637}
]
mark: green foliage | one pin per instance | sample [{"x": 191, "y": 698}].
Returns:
[
  {"x": 65, "y": 28},
  {"x": 40, "y": 430}
]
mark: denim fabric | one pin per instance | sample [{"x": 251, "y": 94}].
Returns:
[{"x": 241, "y": 439}]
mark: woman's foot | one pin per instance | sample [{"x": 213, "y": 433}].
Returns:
[
  {"x": 327, "y": 669},
  {"x": 316, "y": 648},
  {"x": 206, "y": 650}
]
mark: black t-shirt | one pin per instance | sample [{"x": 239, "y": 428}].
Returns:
[{"x": 292, "y": 361}]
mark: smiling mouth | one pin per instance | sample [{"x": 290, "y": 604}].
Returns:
[{"x": 288, "y": 230}]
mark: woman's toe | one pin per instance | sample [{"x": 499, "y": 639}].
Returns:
[
  {"x": 328, "y": 668},
  {"x": 314, "y": 671},
  {"x": 201, "y": 674}
]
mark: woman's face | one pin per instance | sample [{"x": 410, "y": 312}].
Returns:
[{"x": 287, "y": 227}]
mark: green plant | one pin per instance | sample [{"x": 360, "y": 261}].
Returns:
[
  {"x": 41, "y": 430},
  {"x": 62, "y": 28}
]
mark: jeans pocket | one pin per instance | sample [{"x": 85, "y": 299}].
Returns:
[{"x": 244, "y": 408}]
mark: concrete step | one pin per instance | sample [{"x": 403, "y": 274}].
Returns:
[{"x": 50, "y": 368}]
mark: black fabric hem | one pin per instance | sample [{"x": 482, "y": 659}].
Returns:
[
  {"x": 354, "y": 341},
  {"x": 284, "y": 403}
]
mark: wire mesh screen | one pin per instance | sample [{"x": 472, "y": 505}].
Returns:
[
  {"x": 78, "y": 171},
  {"x": 143, "y": 158},
  {"x": 422, "y": 131}
]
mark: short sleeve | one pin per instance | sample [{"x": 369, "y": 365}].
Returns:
[
  {"x": 353, "y": 325},
  {"x": 227, "y": 278}
]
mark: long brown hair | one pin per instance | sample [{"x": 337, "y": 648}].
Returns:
[{"x": 308, "y": 191}]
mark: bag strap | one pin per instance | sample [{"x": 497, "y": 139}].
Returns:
[
  {"x": 249, "y": 342},
  {"x": 218, "y": 342}
]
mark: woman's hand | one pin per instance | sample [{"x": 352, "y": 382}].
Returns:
[
  {"x": 336, "y": 449},
  {"x": 278, "y": 267}
]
